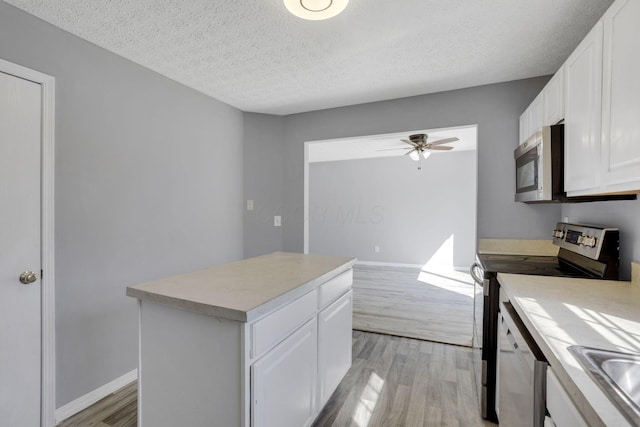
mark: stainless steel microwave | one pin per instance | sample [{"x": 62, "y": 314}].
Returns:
[
  {"x": 540, "y": 170},
  {"x": 539, "y": 166}
]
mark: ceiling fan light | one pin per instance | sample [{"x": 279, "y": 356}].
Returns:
[
  {"x": 315, "y": 10},
  {"x": 414, "y": 155},
  {"x": 426, "y": 154}
]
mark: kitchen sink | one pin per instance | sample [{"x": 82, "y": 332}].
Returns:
[{"x": 617, "y": 374}]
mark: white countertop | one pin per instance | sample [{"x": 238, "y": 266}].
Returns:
[
  {"x": 243, "y": 290},
  {"x": 560, "y": 312}
]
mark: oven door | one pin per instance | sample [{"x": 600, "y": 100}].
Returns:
[
  {"x": 477, "y": 360},
  {"x": 484, "y": 349}
]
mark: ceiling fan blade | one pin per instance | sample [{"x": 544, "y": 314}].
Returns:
[
  {"x": 444, "y": 141},
  {"x": 399, "y": 148},
  {"x": 411, "y": 143},
  {"x": 443, "y": 148},
  {"x": 409, "y": 152}
]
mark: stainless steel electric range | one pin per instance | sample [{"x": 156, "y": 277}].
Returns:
[{"x": 585, "y": 252}]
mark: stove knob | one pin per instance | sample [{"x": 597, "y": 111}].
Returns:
[
  {"x": 558, "y": 233},
  {"x": 590, "y": 242},
  {"x": 581, "y": 240}
]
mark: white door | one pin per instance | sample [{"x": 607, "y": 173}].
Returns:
[{"x": 20, "y": 240}]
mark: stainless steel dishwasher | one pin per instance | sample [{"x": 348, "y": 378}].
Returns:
[{"x": 521, "y": 374}]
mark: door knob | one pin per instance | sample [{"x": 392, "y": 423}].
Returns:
[{"x": 28, "y": 277}]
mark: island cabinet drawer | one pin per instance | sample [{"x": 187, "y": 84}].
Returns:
[
  {"x": 332, "y": 289},
  {"x": 269, "y": 331}
]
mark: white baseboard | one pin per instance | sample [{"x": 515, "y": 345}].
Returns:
[
  {"x": 83, "y": 402},
  {"x": 388, "y": 264},
  {"x": 464, "y": 268}
]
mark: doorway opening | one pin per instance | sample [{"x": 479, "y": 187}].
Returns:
[{"x": 411, "y": 224}]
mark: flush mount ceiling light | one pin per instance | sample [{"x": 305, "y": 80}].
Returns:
[{"x": 315, "y": 10}]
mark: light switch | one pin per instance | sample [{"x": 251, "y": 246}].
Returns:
[
  {"x": 277, "y": 221},
  {"x": 249, "y": 205}
]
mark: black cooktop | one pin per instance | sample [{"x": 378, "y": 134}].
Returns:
[{"x": 527, "y": 264}]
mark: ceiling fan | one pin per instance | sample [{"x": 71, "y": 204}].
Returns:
[{"x": 419, "y": 144}]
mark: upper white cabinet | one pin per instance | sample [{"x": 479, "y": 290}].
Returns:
[
  {"x": 602, "y": 130},
  {"x": 621, "y": 98},
  {"x": 597, "y": 93},
  {"x": 524, "y": 127},
  {"x": 553, "y": 99},
  {"x": 545, "y": 110},
  {"x": 583, "y": 83},
  {"x": 531, "y": 119}
]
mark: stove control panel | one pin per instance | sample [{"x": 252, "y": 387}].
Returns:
[{"x": 585, "y": 240}]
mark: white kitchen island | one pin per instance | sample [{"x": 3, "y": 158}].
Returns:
[{"x": 259, "y": 342}]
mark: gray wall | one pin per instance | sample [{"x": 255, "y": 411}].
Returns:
[
  {"x": 263, "y": 182},
  {"x": 622, "y": 214},
  {"x": 355, "y": 205},
  {"x": 148, "y": 184},
  {"x": 494, "y": 108}
]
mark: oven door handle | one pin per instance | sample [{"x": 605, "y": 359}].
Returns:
[{"x": 473, "y": 272}]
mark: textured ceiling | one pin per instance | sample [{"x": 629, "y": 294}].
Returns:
[{"x": 254, "y": 55}]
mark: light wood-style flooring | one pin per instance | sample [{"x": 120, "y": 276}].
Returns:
[
  {"x": 119, "y": 409},
  {"x": 428, "y": 305},
  {"x": 393, "y": 382}
]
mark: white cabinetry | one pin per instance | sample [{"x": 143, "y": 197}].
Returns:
[
  {"x": 524, "y": 127},
  {"x": 276, "y": 367},
  {"x": 283, "y": 383},
  {"x": 553, "y": 99},
  {"x": 583, "y": 83},
  {"x": 602, "y": 130},
  {"x": 562, "y": 410},
  {"x": 546, "y": 109},
  {"x": 531, "y": 119},
  {"x": 334, "y": 345},
  {"x": 621, "y": 98}
]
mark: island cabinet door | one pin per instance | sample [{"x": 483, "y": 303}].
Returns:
[
  {"x": 334, "y": 345},
  {"x": 283, "y": 382}
]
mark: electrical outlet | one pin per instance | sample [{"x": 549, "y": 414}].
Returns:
[
  {"x": 249, "y": 205},
  {"x": 376, "y": 249},
  {"x": 277, "y": 221}
]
